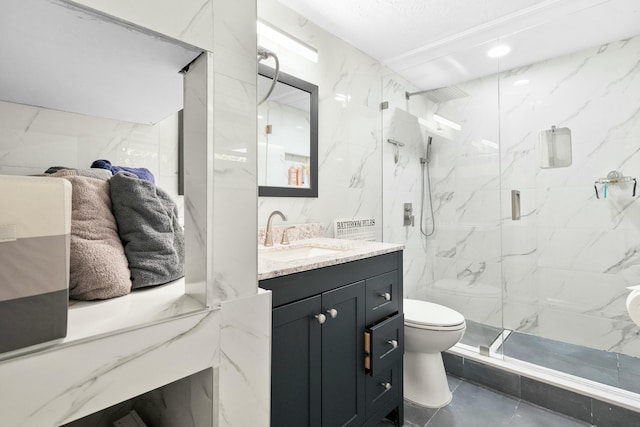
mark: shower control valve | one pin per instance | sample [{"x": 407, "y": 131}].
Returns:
[{"x": 408, "y": 218}]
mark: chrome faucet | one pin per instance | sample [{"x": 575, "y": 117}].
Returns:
[{"x": 268, "y": 238}]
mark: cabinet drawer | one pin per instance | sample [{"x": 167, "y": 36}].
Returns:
[
  {"x": 383, "y": 296},
  {"x": 383, "y": 389},
  {"x": 384, "y": 344}
]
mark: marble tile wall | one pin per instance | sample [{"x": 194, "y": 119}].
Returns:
[
  {"x": 563, "y": 268},
  {"x": 188, "y": 21},
  {"x": 245, "y": 361},
  {"x": 349, "y": 123},
  {"x": 571, "y": 259},
  {"x": 50, "y": 388},
  {"x": 181, "y": 403},
  {"x": 33, "y": 139}
]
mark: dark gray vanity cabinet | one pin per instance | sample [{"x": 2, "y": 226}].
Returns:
[{"x": 337, "y": 344}]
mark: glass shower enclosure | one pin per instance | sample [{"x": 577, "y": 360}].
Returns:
[{"x": 511, "y": 187}]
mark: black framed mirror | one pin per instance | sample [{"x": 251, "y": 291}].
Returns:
[{"x": 287, "y": 136}]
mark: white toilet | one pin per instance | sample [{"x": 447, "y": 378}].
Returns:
[{"x": 429, "y": 329}]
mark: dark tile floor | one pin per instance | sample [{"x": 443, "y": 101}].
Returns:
[
  {"x": 473, "y": 406},
  {"x": 605, "y": 367}
]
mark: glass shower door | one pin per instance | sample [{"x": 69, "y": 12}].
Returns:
[{"x": 448, "y": 170}]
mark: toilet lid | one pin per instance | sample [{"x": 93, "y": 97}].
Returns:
[{"x": 429, "y": 314}]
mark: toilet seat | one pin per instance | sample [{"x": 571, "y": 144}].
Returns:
[{"x": 427, "y": 315}]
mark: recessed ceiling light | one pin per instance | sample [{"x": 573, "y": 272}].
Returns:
[{"x": 498, "y": 51}]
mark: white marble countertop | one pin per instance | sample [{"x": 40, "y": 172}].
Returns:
[{"x": 270, "y": 266}]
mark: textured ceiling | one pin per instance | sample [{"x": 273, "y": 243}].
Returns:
[
  {"x": 435, "y": 43},
  {"x": 384, "y": 28}
]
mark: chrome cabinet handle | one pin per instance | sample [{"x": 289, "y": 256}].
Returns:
[
  {"x": 333, "y": 313},
  {"x": 386, "y": 386},
  {"x": 393, "y": 343},
  {"x": 386, "y": 296},
  {"x": 321, "y": 318}
]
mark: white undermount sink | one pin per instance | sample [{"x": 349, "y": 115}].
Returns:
[{"x": 297, "y": 253}]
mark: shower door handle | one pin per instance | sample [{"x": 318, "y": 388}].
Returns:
[{"x": 515, "y": 205}]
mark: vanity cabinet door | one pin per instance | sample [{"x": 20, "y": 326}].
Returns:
[
  {"x": 343, "y": 375},
  {"x": 296, "y": 369}
]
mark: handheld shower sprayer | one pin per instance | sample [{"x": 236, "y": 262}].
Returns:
[{"x": 424, "y": 161}]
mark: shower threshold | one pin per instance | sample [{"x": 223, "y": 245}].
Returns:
[{"x": 597, "y": 374}]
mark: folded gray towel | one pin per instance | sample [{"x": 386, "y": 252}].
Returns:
[{"x": 148, "y": 226}]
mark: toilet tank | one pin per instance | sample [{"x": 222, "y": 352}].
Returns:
[{"x": 35, "y": 229}]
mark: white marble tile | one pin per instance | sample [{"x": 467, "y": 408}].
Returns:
[
  {"x": 245, "y": 361},
  {"x": 190, "y": 21},
  {"x": 479, "y": 242},
  {"x": 597, "y": 250},
  {"x": 234, "y": 188},
  {"x": 477, "y": 301},
  {"x": 235, "y": 134},
  {"x": 520, "y": 280},
  {"x": 481, "y": 207},
  {"x": 590, "y": 331},
  {"x": 234, "y": 30},
  {"x": 183, "y": 403},
  {"x": 198, "y": 179},
  {"x": 520, "y": 316},
  {"x": 99, "y": 373},
  {"x": 589, "y": 293},
  {"x": 234, "y": 245}
]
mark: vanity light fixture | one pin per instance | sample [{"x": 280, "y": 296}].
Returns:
[
  {"x": 287, "y": 41},
  {"x": 441, "y": 120},
  {"x": 498, "y": 51}
]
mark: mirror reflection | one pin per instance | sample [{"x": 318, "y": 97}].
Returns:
[{"x": 287, "y": 136}]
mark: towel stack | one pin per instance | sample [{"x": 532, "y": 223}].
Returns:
[{"x": 125, "y": 233}]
